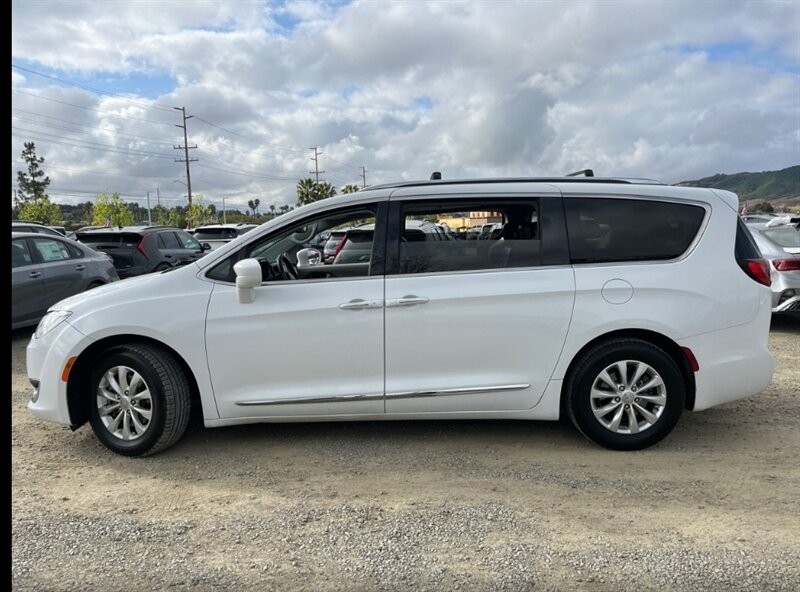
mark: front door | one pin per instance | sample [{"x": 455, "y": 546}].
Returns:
[{"x": 311, "y": 343}]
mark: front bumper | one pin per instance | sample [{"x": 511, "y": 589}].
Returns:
[{"x": 46, "y": 358}]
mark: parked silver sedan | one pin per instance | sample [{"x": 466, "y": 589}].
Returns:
[
  {"x": 780, "y": 245},
  {"x": 46, "y": 269}
]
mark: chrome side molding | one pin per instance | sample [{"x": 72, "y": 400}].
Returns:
[{"x": 473, "y": 390}]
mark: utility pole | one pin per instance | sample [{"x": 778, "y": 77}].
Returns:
[
  {"x": 316, "y": 170},
  {"x": 185, "y": 149},
  {"x": 224, "y": 217},
  {"x": 363, "y": 176},
  {"x": 149, "y": 217},
  {"x": 158, "y": 197}
]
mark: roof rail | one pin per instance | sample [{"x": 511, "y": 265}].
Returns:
[
  {"x": 615, "y": 180},
  {"x": 583, "y": 173}
]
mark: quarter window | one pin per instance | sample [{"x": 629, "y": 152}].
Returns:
[
  {"x": 187, "y": 242},
  {"x": 469, "y": 236},
  {"x": 608, "y": 230}
]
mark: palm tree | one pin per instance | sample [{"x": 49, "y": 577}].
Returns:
[
  {"x": 306, "y": 191},
  {"x": 325, "y": 190},
  {"x": 256, "y": 203},
  {"x": 349, "y": 188},
  {"x": 272, "y": 210}
]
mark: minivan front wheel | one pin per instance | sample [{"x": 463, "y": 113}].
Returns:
[
  {"x": 139, "y": 399},
  {"x": 625, "y": 394}
]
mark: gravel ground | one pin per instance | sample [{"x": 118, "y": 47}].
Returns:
[{"x": 474, "y": 505}]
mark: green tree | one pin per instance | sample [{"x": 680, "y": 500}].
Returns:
[
  {"x": 197, "y": 213},
  {"x": 253, "y": 205},
  {"x": 40, "y": 210},
  {"x": 308, "y": 191},
  {"x": 349, "y": 188},
  {"x": 764, "y": 207},
  {"x": 272, "y": 210},
  {"x": 111, "y": 208},
  {"x": 33, "y": 184}
]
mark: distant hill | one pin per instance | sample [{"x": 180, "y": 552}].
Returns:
[{"x": 767, "y": 185}]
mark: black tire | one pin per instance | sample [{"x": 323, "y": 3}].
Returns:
[
  {"x": 587, "y": 370},
  {"x": 169, "y": 398}
]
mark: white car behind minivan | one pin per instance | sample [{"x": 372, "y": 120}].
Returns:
[{"x": 619, "y": 303}]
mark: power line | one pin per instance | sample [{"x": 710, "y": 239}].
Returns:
[
  {"x": 45, "y": 137},
  {"x": 248, "y": 138},
  {"x": 91, "y": 89},
  {"x": 22, "y": 92},
  {"x": 83, "y": 129}
]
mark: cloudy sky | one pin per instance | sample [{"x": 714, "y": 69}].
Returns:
[{"x": 667, "y": 90}]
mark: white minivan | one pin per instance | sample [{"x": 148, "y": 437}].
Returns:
[{"x": 617, "y": 302}]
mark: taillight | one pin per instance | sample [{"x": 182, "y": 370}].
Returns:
[
  {"x": 758, "y": 269},
  {"x": 340, "y": 245},
  {"x": 140, "y": 248},
  {"x": 786, "y": 264}
]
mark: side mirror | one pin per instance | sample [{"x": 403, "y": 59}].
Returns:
[
  {"x": 308, "y": 258},
  {"x": 248, "y": 277},
  {"x": 205, "y": 247}
]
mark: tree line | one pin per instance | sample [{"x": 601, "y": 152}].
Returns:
[{"x": 32, "y": 203}]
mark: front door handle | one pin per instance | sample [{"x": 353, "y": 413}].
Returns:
[
  {"x": 359, "y": 304},
  {"x": 409, "y": 300},
  {"x": 80, "y": 267},
  {"x": 35, "y": 274}
]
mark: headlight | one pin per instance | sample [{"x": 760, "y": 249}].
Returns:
[{"x": 50, "y": 321}]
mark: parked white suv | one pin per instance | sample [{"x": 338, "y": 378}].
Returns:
[{"x": 618, "y": 303}]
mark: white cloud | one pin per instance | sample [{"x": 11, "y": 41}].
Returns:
[{"x": 665, "y": 90}]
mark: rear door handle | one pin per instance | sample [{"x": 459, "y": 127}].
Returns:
[
  {"x": 359, "y": 304},
  {"x": 80, "y": 267},
  {"x": 409, "y": 300},
  {"x": 35, "y": 274}
]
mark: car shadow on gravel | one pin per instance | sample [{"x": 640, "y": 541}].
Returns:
[{"x": 786, "y": 323}]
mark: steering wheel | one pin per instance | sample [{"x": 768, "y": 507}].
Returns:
[{"x": 287, "y": 268}]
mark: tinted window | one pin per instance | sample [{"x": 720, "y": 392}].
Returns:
[
  {"x": 167, "y": 240},
  {"x": 51, "y": 250},
  {"x": 745, "y": 246},
  {"x": 121, "y": 238},
  {"x": 215, "y": 233},
  {"x": 424, "y": 248},
  {"x": 604, "y": 230},
  {"x": 20, "y": 254}
]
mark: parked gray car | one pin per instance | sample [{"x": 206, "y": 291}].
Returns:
[
  {"x": 780, "y": 245},
  {"x": 46, "y": 269}
]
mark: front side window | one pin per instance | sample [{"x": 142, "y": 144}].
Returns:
[
  {"x": 481, "y": 234},
  {"x": 51, "y": 249},
  {"x": 187, "y": 241},
  {"x": 298, "y": 252},
  {"x": 611, "y": 230},
  {"x": 20, "y": 254}
]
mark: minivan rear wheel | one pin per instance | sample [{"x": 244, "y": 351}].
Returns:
[
  {"x": 140, "y": 399},
  {"x": 625, "y": 394}
]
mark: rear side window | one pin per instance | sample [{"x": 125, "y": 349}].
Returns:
[
  {"x": 472, "y": 246},
  {"x": 52, "y": 250},
  {"x": 745, "y": 247},
  {"x": 609, "y": 230},
  {"x": 167, "y": 240}
]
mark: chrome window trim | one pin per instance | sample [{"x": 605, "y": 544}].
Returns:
[{"x": 478, "y": 271}]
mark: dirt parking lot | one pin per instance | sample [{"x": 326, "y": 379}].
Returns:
[{"x": 478, "y": 505}]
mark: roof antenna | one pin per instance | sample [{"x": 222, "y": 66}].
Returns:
[
  {"x": 583, "y": 173},
  {"x": 436, "y": 176}
]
